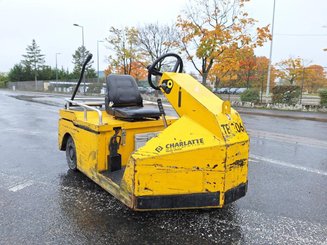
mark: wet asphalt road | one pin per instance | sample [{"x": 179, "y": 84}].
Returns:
[{"x": 41, "y": 202}]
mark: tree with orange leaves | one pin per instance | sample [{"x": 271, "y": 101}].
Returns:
[
  {"x": 291, "y": 70},
  {"x": 108, "y": 70},
  {"x": 247, "y": 67},
  {"x": 314, "y": 78},
  {"x": 137, "y": 70},
  {"x": 243, "y": 70},
  {"x": 238, "y": 68},
  {"x": 260, "y": 78},
  {"x": 211, "y": 28},
  {"x": 253, "y": 71},
  {"x": 224, "y": 70}
]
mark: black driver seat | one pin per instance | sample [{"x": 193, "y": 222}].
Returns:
[{"x": 123, "y": 100}]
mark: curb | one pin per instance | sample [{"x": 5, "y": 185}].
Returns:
[
  {"x": 284, "y": 116},
  {"x": 259, "y": 113}
]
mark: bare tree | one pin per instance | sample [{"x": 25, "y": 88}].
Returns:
[
  {"x": 155, "y": 40},
  {"x": 123, "y": 43}
]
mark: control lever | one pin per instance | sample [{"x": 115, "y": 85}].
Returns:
[
  {"x": 87, "y": 60},
  {"x": 162, "y": 112}
]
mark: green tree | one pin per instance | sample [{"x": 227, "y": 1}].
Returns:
[
  {"x": 3, "y": 77},
  {"x": 33, "y": 58},
  {"x": 16, "y": 73},
  {"x": 323, "y": 97},
  {"x": 47, "y": 73},
  {"x": 20, "y": 73},
  {"x": 3, "y": 80},
  {"x": 64, "y": 74},
  {"x": 78, "y": 61},
  {"x": 250, "y": 95}
]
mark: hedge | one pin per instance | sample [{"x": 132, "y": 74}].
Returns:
[
  {"x": 286, "y": 94},
  {"x": 323, "y": 96},
  {"x": 94, "y": 88},
  {"x": 250, "y": 95}
]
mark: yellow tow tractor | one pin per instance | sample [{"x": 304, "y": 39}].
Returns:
[{"x": 151, "y": 161}]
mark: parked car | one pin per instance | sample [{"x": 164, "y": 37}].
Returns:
[
  {"x": 149, "y": 90},
  {"x": 224, "y": 90},
  {"x": 240, "y": 90},
  {"x": 142, "y": 89},
  {"x": 232, "y": 90},
  {"x": 215, "y": 90},
  {"x": 228, "y": 90},
  {"x": 219, "y": 90}
]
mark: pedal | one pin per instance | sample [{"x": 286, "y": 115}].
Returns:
[{"x": 114, "y": 162}]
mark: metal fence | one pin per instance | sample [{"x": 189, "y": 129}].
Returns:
[
  {"x": 90, "y": 86},
  {"x": 93, "y": 87}
]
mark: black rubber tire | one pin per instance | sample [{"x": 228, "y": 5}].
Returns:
[{"x": 71, "y": 154}]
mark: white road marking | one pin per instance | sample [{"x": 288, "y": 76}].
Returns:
[
  {"x": 288, "y": 138},
  {"x": 288, "y": 165},
  {"x": 14, "y": 183},
  {"x": 21, "y": 186}
]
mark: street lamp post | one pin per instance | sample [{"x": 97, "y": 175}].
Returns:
[
  {"x": 324, "y": 26},
  {"x": 35, "y": 73},
  {"x": 302, "y": 83},
  {"x": 98, "y": 41},
  {"x": 270, "y": 54},
  {"x": 57, "y": 66},
  {"x": 56, "y": 70},
  {"x": 83, "y": 54}
]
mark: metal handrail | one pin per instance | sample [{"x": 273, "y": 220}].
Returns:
[
  {"x": 89, "y": 98},
  {"x": 69, "y": 102}
]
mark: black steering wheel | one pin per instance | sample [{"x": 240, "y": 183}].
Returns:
[{"x": 153, "y": 70}]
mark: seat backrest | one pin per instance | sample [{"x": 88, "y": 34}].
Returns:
[{"x": 122, "y": 91}]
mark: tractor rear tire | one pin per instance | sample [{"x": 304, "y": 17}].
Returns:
[{"x": 71, "y": 154}]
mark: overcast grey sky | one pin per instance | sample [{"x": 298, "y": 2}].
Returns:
[{"x": 50, "y": 23}]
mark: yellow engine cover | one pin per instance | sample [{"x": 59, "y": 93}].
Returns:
[{"x": 205, "y": 151}]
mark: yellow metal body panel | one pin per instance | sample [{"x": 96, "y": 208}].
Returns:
[
  {"x": 206, "y": 150},
  {"x": 91, "y": 139}
]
